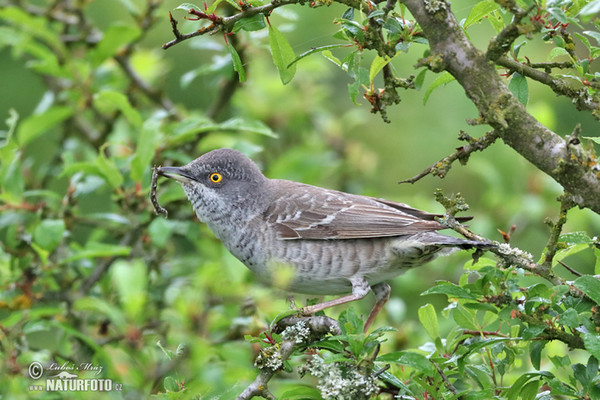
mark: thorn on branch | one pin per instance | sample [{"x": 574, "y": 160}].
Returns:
[
  {"x": 173, "y": 22},
  {"x": 571, "y": 270}
]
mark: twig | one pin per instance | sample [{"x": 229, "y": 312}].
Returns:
[
  {"x": 259, "y": 386},
  {"x": 222, "y": 23},
  {"x": 547, "y": 66},
  {"x": 441, "y": 167},
  {"x": 447, "y": 382},
  {"x": 157, "y": 207},
  {"x": 484, "y": 333},
  {"x": 319, "y": 326},
  {"x": 571, "y": 270},
  {"x": 566, "y": 203},
  {"x": 501, "y": 44},
  {"x": 581, "y": 98}
]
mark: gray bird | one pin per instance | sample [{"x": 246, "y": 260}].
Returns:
[{"x": 309, "y": 239}]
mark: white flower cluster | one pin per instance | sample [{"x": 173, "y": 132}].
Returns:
[
  {"x": 341, "y": 381},
  {"x": 270, "y": 358},
  {"x": 298, "y": 333},
  {"x": 505, "y": 248},
  {"x": 433, "y": 6}
]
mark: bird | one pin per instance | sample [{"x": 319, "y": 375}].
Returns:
[{"x": 322, "y": 241}]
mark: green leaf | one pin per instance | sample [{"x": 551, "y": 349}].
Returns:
[
  {"x": 115, "y": 37},
  {"x": 237, "y": 62},
  {"x": 530, "y": 390},
  {"x": 443, "y": 79},
  {"x": 253, "y": 23},
  {"x": 557, "y": 52},
  {"x": 576, "y": 238},
  {"x": 532, "y": 331},
  {"x": 535, "y": 353},
  {"x": 361, "y": 77},
  {"x": 187, "y": 7},
  {"x": 109, "y": 101},
  {"x": 479, "y": 11},
  {"x": 49, "y": 233},
  {"x": 591, "y": 341},
  {"x": 570, "y": 250},
  {"x": 283, "y": 55},
  {"x": 595, "y": 139},
  {"x": 170, "y": 384},
  {"x": 518, "y": 87},
  {"x": 590, "y": 286},
  {"x": 465, "y": 318},
  {"x": 449, "y": 289},
  {"x": 570, "y": 318},
  {"x": 96, "y": 250},
  {"x": 108, "y": 169},
  {"x": 409, "y": 359},
  {"x": 420, "y": 79},
  {"x": 348, "y": 14},
  {"x": 377, "y": 65},
  {"x": 513, "y": 392},
  {"x": 329, "y": 56},
  {"x": 429, "y": 320},
  {"x": 35, "y": 125},
  {"x": 594, "y": 34},
  {"x": 317, "y": 50},
  {"x": 590, "y": 10}
]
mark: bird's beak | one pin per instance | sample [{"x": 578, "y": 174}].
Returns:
[{"x": 175, "y": 173}]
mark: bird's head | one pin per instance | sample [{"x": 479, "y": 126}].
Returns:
[{"x": 219, "y": 183}]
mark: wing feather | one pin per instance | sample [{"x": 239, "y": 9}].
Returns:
[{"x": 301, "y": 211}]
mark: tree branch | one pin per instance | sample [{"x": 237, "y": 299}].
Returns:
[
  {"x": 582, "y": 100},
  {"x": 441, "y": 167},
  {"x": 500, "y": 109},
  {"x": 294, "y": 333}
]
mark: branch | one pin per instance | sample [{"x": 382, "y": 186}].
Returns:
[
  {"x": 295, "y": 331},
  {"x": 500, "y": 109},
  {"x": 441, "y": 167},
  {"x": 225, "y": 24},
  {"x": 502, "y": 43},
  {"x": 581, "y": 98},
  {"x": 555, "y": 229},
  {"x": 507, "y": 255}
]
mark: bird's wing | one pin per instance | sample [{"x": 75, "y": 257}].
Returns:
[{"x": 306, "y": 212}]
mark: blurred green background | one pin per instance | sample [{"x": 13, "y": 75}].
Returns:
[{"x": 173, "y": 282}]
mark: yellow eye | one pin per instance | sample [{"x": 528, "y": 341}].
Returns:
[{"x": 215, "y": 177}]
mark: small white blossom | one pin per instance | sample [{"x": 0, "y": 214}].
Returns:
[
  {"x": 298, "y": 333},
  {"x": 341, "y": 381},
  {"x": 270, "y": 358}
]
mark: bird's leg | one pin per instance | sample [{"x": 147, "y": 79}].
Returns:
[
  {"x": 382, "y": 294},
  {"x": 360, "y": 288}
]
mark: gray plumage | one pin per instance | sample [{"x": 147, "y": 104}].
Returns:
[{"x": 332, "y": 242}]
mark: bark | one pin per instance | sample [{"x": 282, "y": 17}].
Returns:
[{"x": 564, "y": 160}]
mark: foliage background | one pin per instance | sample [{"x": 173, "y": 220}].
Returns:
[{"x": 88, "y": 273}]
